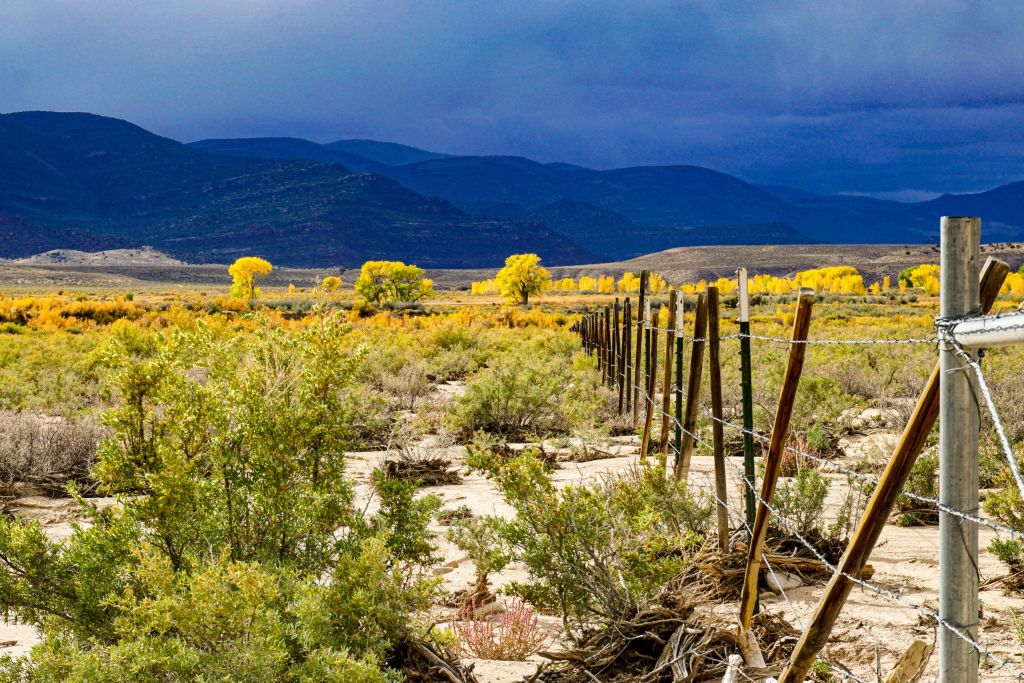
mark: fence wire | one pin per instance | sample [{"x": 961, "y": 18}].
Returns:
[{"x": 943, "y": 336}]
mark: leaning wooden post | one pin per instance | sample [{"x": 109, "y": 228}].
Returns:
[
  {"x": 717, "y": 428},
  {"x": 879, "y": 507},
  {"x": 679, "y": 376},
  {"x": 776, "y": 449},
  {"x": 666, "y": 392},
  {"x": 641, "y": 311},
  {"x": 700, "y": 322},
  {"x": 652, "y": 380}
]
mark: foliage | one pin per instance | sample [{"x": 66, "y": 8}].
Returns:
[
  {"x": 244, "y": 273},
  {"x": 629, "y": 283},
  {"x": 923, "y": 481},
  {"x": 800, "y": 502},
  {"x": 480, "y": 540},
  {"x": 392, "y": 282},
  {"x": 596, "y": 551},
  {"x": 331, "y": 283},
  {"x": 234, "y": 550},
  {"x": 1007, "y": 507},
  {"x": 833, "y": 279},
  {"x": 514, "y": 637},
  {"x": 516, "y": 396},
  {"x": 59, "y": 313},
  {"x": 522, "y": 277}
]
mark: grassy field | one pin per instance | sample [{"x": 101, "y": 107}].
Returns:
[{"x": 246, "y": 467}]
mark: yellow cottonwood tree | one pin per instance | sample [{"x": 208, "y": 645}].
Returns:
[
  {"x": 566, "y": 284},
  {"x": 656, "y": 283},
  {"x": 331, "y": 283},
  {"x": 522, "y": 277},
  {"x": 605, "y": 284},
  {"x": 391, "y": 281},
  {"x": 244, "y": 273},
  {"x": 629, "y": 283}
]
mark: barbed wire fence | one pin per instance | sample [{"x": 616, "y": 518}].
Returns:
[{"x": 620, "y": 363}]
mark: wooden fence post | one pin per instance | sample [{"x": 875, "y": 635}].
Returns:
[
  {"x": 652, "y": 381},
  {"x": 640, "y": 312},
  {"x": 609, "y": 347},
  {"x": 879, "y": 507},
  {"x": 649, "y": 322},
  {"x": 776, "y": 449},
  {"x": 717, "y": 428},
  {"x": 616, "y": 344},
  {"x": 679, "y": 376},
  {"x": 623, "y": 370},
  {"x": 666, "y": 392},
  {"x": 700, "y": 321}
]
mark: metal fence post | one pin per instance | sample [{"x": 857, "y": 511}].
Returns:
[
  {"x": 959, "y": 421},
  {"x": 748, "y": 397}
]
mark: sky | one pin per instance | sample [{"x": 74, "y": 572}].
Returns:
[{"x": 899, "y": 100}]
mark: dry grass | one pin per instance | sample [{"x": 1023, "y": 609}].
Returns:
[{"x": 47, "y": 451}]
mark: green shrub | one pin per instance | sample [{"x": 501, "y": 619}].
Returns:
[
  {"x": 1007, "y": 508},
  {"x": 923, "y": 481},
  {"x": 235, "y": 551},
  {"x": 516, "y": 396},
  {"x": 801, "y": 502},
  {"x": 596, "y": 552},
  {"x": 480, "y": 539}
]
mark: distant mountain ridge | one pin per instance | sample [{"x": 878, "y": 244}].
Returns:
[
  {"x": 686, "y": 202},
  {"x": 86, "y": 182},
  {"x": 387, "y": 153}
]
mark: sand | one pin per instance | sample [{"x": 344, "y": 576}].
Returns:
[{"x": 870, "y": 626}]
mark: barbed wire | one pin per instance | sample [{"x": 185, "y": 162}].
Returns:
[
  {"x": 878, "y": 589},
  {"x": 949, "y": 340},
  {"x": 836, "y": 467},
  {"x": 943, "y": 336},
  {"x": 809, "y": 342},
  {"x": 942, "y": 507}
]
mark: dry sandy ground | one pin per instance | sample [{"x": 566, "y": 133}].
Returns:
[{"x": 906, "y": 560}]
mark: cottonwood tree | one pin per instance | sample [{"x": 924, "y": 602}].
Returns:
[
  {"x": 244, "y": 273},
  {"x": 392, "y": 281},
  {"x": 522, "y": 276}
]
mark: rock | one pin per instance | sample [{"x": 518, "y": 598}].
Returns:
[{"x": 780, "y": 582}]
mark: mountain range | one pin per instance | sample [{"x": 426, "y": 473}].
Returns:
[{"x": 81, "y": 181}]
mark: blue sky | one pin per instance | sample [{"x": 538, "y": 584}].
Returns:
[{"x": 897, "y": 99}]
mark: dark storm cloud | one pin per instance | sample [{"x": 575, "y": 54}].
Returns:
[{"x": 858, "y": 97}]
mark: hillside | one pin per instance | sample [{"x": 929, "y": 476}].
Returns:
[
  {"x": 631, "y": 210},
  {"x": 388, "y": 153},
  {"x": 85, "y": 182},
  {"x": 79, "y": 181}
]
